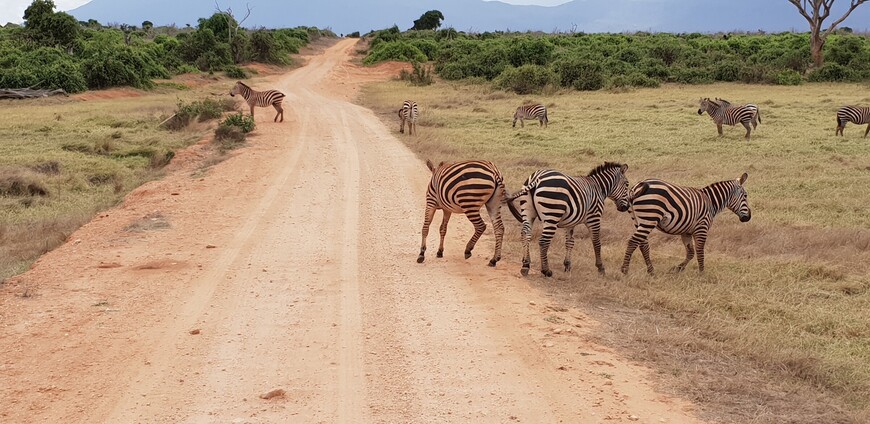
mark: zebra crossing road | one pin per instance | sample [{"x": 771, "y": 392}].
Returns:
[{"x": 291, "y": 268}]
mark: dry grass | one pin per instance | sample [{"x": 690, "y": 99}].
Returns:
[{"x": 777, "y": 329}]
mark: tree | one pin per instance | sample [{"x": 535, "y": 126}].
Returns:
[
  {"x": 815, "y": 12},
  {"x": 429, "y": 20},
  {"x": 147, "y": 26}
]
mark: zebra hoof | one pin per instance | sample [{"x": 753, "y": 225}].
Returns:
[
  {"x": 420, "y": 259},
  {"x": 492, "y": 262},
  {"x": 624, "y": 270},
  {"x": 677, "y": 269},
  {"x": 524, "y": 271},
  {"x": 567, "y": 266},
  {"x": 439, "y": 254},
  {"x": 467, "y": 254},
  {"x": 547, "y": 272}
]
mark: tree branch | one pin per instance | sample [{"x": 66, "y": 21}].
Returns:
[
  {"x": 852, "y": 6},
  {"x": 802, "y": 9}
]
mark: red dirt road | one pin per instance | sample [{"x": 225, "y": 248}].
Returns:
[{"x": 295, "y": 261}]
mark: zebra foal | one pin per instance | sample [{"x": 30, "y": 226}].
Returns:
[
  {"x": 684, "y": 211},
  {"x": 722, "y": 112},
  {"x": 563, "y": 201},
  {"x": 408, "y": 113},
  {"x": 465, "y": 187},
  {"x": 535, "y": 111},
  {"x": 855, "y": 114},
  {"x": 260, "y": 99}
]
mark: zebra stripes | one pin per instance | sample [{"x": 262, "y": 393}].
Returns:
[
  {"x": 725, "y": 113},
  {"x": 408, "y": 113},
  {"x": 465, "y": 187},
  {"x": 756, "y": 118},
  {"x": 684, "y": 211},
  {"x": 536, "y": 111},
  {"x": 260, "y": 98},
  {"x": 562, "y": 201},
  {"x": 855, "y": 114}
]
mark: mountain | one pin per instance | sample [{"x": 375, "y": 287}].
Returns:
[{"x": 345, "y": 16}]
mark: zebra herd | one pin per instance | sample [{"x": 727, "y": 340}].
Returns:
[{"x": 563, "y": 201}]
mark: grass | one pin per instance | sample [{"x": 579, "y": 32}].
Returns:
[
  {"x": 63, "y": 160},
  {"x": 777, "y": 329}
]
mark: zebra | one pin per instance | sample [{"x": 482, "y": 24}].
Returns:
[
  {"x": 534, "y": 111},
  {"x": 756, "y": 118},
  {"x": 408, "y": 113},
  {"x": 465, "y": 187},
  {"x": 562, "y": 201},
  {"x": 855, "y": 114},
  {"x": 684, "y": 211},
  {"x": 260, "y": 98},
  {"x": 724, "y": 113}
]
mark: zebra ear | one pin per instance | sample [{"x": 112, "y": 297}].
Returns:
[
  {"x": 624, "y": 168},
  {"x": 429, "y": 165},
  {"x": 743, "y": 178}
]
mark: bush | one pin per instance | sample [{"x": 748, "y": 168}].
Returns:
[
  {"x": 789, "y": 77},
  {"x": 240, "y": 120},
  {"x": 635, "y": 79},
  {"x": 526, "y": 79},
  {"x": 754, "y": 74},
  {"x": 235, "y": 72},
  {"x": 580, "y": 73},
  {"x": 692, "y": 76},
  {"x": 452, "y": 71},
  {"x": 727, "y": 71},
  {"x": 395, "y": 50},
  {"x": 831, "y": 72},
  {"x": 232, "y": 132},
  {"x": 420, "y": 75}
]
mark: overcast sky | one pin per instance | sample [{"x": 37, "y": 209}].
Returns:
[{"x": 13, "y": 10}]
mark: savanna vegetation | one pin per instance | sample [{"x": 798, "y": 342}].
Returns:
[
  {"x": 532, "y": 62},
  {"x": 52, "y": 50},
  {"x": 776, "y": 329}
]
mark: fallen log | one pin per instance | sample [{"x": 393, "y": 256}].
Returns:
[{"x": 29, "y": 93}]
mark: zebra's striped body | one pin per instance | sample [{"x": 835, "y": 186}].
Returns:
[
  {"x": 854, "y": 114},
  {"x": 408, "y": 113},
  {"x": 684, "y": 211},
  {"x": 756, "y": 118},
  {"x": 537, "y": 111},
  {"x": 465, "y": 187},
  {"x": 260, "y": 99},
  {"x": 562, "y": 201},
  {"x": 723, "y": 112}
]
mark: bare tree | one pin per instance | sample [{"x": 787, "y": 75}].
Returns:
[
  {"x": 233, "y": 25},
  {"x": 815, "y": 12}
]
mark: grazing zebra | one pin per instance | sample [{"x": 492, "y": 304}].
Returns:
[
  {"x": 260, "y": 98},
  {"x": 409, "y": 113},
  {"x": 684, "y": 211},
  {"x": 724, "y": 113},
  {"x": 465, "y": 187},
  {"x": 536, "y": 111},
  {"x": 756, "y": 118},
  {"x": 855, "y": 114},
  {"x": 562, "y": 201}
]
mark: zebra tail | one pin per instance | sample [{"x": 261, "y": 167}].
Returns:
[
  {"x": 758, "y": 112},
  {"x": 514, "y": 210},
  {"x": 639, "y": 190}
]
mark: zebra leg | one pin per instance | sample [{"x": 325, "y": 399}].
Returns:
[
  {"x": 494, "y": 209},
  {"x": 569, "y": 245},
  {"x": 867, "y": 131},
  {"x": 402, "y": 126},
  {"x": 748, "y": 129},
  {"x": 690, "y": 253},
  {"x": 252, "y": 112},
  {"x": 700, "y": 240},
  {"x": 522, "y": 124},
  {"x": 719, "y": 128},
  {"x": 644, "y": 250},
  {"x": 527, "y": 240},
  {"x": 479, "y": 228},
  {"x": 547, "y": 233},
  {"x": 595, "y": 229},
  {"x": 639, "y": 238},
  {"x": 430, "y": 213},
  {"x": 443, "y": 232},
  {"x": 279, "y": 112}
]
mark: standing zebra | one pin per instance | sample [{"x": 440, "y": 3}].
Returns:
[
  {"x": 855, "y": 114},
  {"x": 408, "y": 113},
  {"x": 562, "y": 201},
  {"x": 260, "y": 98},
  {"x": 465, "y": 187},
  {"x": 684, "y": 211},
  {"x": 724, "y": 113},
  {"x": 756, "y": 118},
  {"x": 535, "y": 111}
]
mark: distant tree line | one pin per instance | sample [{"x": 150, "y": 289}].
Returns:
[
  {"x": 54, "y": 50},
  {"x": 527, "y": 62}
]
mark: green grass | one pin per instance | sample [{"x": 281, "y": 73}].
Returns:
[
  {"x": 777, "y": 329},
  {"x": 87, "y": 155}
]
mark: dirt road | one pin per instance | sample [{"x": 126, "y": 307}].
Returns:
[{"x": 292, "y": 266}]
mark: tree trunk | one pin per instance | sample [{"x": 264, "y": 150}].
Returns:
[{"x": 817, "y": 43}]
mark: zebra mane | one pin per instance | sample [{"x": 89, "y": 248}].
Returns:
[
  {"x": 242, "y": 84},
  {"x": 604, "y": 168},
  {"x": 714, "y": 103}
]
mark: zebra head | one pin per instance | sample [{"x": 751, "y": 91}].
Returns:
[
  {"x": 737, "y": 201},
  {"x": 237, "y": 89},
  {"x": 705, "y": 105},
  {"x": 611, "y": 177}
]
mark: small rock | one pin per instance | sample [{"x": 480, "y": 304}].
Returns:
[
  {"x": 532, "y": 302},
  {"x": 562, "y": 368},
  {"x": 633, "y": 417},
  {"x": 548, "y": 344},
  {"x": 557, "y": 331},
  {"x": 210, "y": 246},
  {"x": 194, "y": 332},
  {"x": 273, "y": 394},
  {"x": 174, "y": 193}
]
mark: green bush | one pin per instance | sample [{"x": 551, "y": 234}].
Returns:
[
  {"x": 240, "y": 120},
  {"x": 235, "y": 72},
  {"x": 232, "y": 132},
  {"x": 831, "y": 72},
  {"x": 452, "y": 71},
  {"x": 420, "y": 75},
  {"x": 580, "y": 74},
  {"x": 727, "y": 71},
  {"x": 789, "y": 77},
  {"x": 395, "y": 50},
  {"x": 526, "y": 79}
]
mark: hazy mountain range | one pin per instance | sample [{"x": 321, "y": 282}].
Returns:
[{"x": 345, "y": 16}]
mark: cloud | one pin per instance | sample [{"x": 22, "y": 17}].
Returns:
[{"x": 13, "y": 10}]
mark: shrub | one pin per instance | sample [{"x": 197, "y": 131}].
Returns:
[
  {"x": 240, "y": 120},
  {"x": 830, "y": 72},
  {"x": 452, "y": 71},
  {"x": 727, "y": 71},
  {"x": 265, "y": 48},
  {"x": 580, "y": 73},
  {"x": 232, "y": 132},
  {"x": 692, "y": 76},
  {"x": 15, "y": 182},
  {"x": 420, "y": 75},
  {"x": 789, "y": 77},
  {"x": 526, "y": 79},
  {"x": 235, "y": 72},
  {"x": 395, "y": 50},
  {"x": 754, "y": 74}
]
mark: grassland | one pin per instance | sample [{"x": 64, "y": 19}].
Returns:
[
  {"x": 777, "y": 329},
  {"x": 64, "y": 159}
]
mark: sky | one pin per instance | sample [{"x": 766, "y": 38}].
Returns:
[{"x": 13, "y": 10}]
